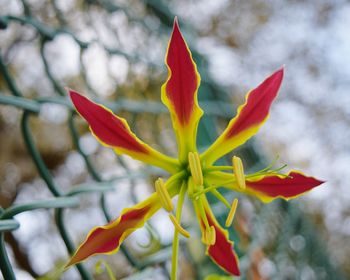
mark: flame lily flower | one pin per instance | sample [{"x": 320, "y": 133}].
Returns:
[{"x": 192, "y": 174}]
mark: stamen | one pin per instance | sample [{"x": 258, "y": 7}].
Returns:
[
  {"x": 202, "y": 213},
  {"x": 178, "y": 227},
  {"x": 270, "y": 165},
  {"x": 164, "y": 195},
  {"x": 190, "y": 188},
  {"x": 218, "y": 168},
  {"x": 195, "y": 168},
  {"x": 239, "y": 172},
  {"x": 220, "y": 197},
  {"x": 210, "y": 235},
  {"x": 207, "y": 189},
  {"x": 232, "y": 212},
  {"x": 280, "y": 168}
]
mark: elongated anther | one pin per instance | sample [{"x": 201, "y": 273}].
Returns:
[
  {"x": 232, "y": 212},
  {"x": 210, "y": 235},
  {"x": 164, "y": 195},
  {"x": 178, "y": 227},
  {"x": 195, "y": 168},
  {"x": 239, "y": 171}
]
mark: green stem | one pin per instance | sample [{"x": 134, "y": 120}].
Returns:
[
  {"x": 216, "y": 168},
  {"x": 220, "y": 197},
  {"x": 207, "y": 189},
  {"x": 176, "y": 233},
  {"x": 175, "y": 255}
]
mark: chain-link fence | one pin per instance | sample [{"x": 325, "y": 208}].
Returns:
[{"x": 33, "y": 80}]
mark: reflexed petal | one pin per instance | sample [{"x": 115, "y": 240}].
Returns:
[
  {"x": 179, "y": 93},
  {"x": 107, "y": 239},
  {"x": 269, "y": 187},
  {"x": 221, "y": 252},
  {"x": 114, "y": 131},
  {"x": 250, "y": 116}
]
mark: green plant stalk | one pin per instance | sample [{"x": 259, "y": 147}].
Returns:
[{"x": 174, "y": 258}]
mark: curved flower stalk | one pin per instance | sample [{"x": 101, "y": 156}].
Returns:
[{"x": 192, "y": 174}]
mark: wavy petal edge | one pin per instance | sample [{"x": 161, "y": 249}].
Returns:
[
  {"x": 270, "y": 187},
  {"x": 113, "y": 131},
  {"x": 179, "y": 92},
  {"x": 222, "y": 251},
  {"x": 108, "y": 238},
  {"x": 249, "y": 118}
]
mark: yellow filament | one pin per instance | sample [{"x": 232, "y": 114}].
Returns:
[
  {"x": 210, "y": 235},
  {"x": 232, "y": 212},
  {"x": 190, "y": 188},
  {"x": 239, "y": 171},
  {"x": 164, "y": 195},
  {"x": 195, "y": 168},
  {"x": 178, "y": 227}
]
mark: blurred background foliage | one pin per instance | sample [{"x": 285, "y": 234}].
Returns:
[{"x": 114, "y": 51}]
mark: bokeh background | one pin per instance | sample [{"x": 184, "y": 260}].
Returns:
[{"x": 114, "y": 51}]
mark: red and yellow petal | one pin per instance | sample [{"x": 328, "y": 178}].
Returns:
[
  {"x": 179, "y": 93},
  {"x": 270, "y": 187},
  {"x": 221, "y": 252},
  {"x": 250, "y": 117},
  {"x": 107, "y": 239},
  {"x": 114, "y": 131}
]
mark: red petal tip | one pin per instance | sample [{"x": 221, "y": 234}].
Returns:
[
  {"x": 278, "y": 75},
  {"x": 296, "y": 184},
  {"x": 73, "y": 94},
  {"x": 107, "y": 127},
  {"x": 176, "y": 23},
  {"x": 176, "y": 29}
]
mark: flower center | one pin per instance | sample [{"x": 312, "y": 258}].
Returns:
[
  {"x": 195, "y": 168},
  {"x": 195, "y": 185}
]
